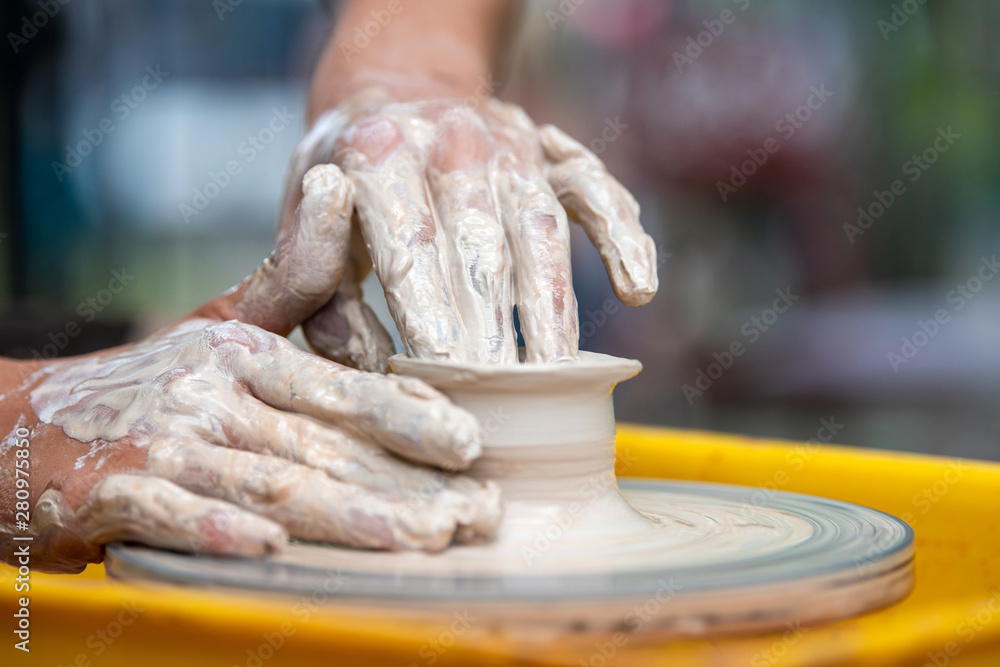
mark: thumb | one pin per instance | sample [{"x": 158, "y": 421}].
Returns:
[{"x": 303, "y": 272}]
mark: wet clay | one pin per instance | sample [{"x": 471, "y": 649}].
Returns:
[
  {"x": 462, "y": 207},
  {"x": 574, "y": 555},
  {"x": 551, "y": 449},
  {"x": 308, "y": 462}
]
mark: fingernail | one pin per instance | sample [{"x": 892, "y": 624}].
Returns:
[
  {"x": 638, "y": 277},
  {"x": 275, "y": 539},
  {"x": 465, "y": 436}
]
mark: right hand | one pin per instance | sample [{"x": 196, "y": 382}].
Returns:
[
  {"x": 462, "y": 209},
  {"x": 221, "y": 437}
]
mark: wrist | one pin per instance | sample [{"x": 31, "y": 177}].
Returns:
[
  {"x": 402, "y": 79},
  {"x": 13, "y": 372},
  {"x": 450, "y": 50},
  {"x": 16, "y": 421}
]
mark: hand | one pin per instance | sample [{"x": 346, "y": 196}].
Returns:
[
  {"x": 222, "y": 437},
  {"x": 462, "y": 205}
]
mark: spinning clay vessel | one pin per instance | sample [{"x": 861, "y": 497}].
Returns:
[{"x": 581, "y": 553}]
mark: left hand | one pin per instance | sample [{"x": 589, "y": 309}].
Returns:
[{"x": 217, "y": 435}]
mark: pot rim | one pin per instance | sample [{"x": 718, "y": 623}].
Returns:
[{"x": 591, "y": 370}]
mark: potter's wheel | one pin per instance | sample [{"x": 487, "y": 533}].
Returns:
[
  {"x": 713, "y": 559},
  {"x": 573, "y": 555}
]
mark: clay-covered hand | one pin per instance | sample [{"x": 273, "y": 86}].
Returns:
[
  {"x": 222, "y": 437},
  {"x": 462, "y": 207}
]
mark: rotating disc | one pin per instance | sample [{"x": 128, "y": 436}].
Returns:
[{"x": 710, "y": 558}]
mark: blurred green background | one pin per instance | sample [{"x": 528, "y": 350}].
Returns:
[{"x": 751, "y": 132}]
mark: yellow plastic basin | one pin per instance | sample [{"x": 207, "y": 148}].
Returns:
[{"x": 952, "y": 617}]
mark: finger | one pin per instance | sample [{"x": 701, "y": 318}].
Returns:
[
  {"x": 538, "y": 239},
  {"x": 161, "y": 514},
  {"x": 476, "y": 251},
  {"x": 475, "y": 506},
  {"x": 403, "y": 415},
  {"x": 403, "y": 238},
  {"x": 608, "y": 213},
  {"x": 307, "y": 502},
  {"x": 347, "y": 331},
  {"x": 302, "y": 274},
  {"x": 315, "y": 147},
  {"x": 56, "y": 546}
]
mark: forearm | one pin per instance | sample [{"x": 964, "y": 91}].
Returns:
[
  {"x": 446, "y": 45},
  {"x": 15, "y": 417},
  {"x": 12, "y": 374}
]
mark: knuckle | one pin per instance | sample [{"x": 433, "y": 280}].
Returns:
[
  {"x": 374, "y": 137},
  {"x": 233, "y": 335},
  {"x": 483, "y": 242},
  {"x": 414, "y": 387},
  {"x": 107, "y": 493},
  {"x": 460, "y": 117},
  {"x": 167, "y": 454},
  {"x": 512, "y": 113},
  {"x": 219, "y": 335},
  {"x": 325, "y": 178},
  {"x": 492, "y": 239},
  {"x": 541, "y": 204}
]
